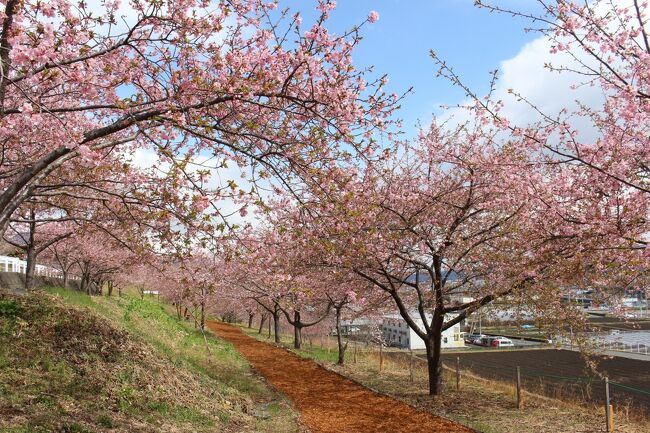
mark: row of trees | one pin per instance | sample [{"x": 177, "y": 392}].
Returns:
[
  {"x": 484, "y": 208},
  {"x": 359, "y": 222}
]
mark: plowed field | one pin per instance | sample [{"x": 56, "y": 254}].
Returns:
[{"x": 564, "y": 371}]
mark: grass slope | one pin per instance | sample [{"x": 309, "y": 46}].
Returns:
[{"x": 72, "y": 363}]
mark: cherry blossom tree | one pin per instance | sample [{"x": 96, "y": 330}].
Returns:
[
  {"x": 275, "y": 271},
  {"x": 595, "y": 155},
  {"x": 168, "y": 280},
  {"x": 442, "y": 218},
  {"x": 591, "y": 156},
  {"x": 349, "y": 296},
  {"x": 234, "y": 80},
  {"x": 94, "y": 256},
  {"x": 61, "y": 256}
]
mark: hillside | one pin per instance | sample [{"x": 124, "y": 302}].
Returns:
[{"x": 71, "y": 363}]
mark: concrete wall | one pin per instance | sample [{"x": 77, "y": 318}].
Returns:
[{"x": 15, "y": 282}]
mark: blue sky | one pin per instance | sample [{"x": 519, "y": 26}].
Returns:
[{"x": 470, "y": 39}]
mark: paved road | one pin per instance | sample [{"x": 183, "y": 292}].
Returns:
[
  {"x": 328, "y": 402},
  {"x": 516, "y": 341}
]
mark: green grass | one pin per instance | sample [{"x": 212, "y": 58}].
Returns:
[
  {"x": 149, "y": 319},
  {"x": 309, "y": 351},
  {"x": 72, "y": 296},
  {"x": 320, "y": 355},
  {"x": 88, "y": 364}
]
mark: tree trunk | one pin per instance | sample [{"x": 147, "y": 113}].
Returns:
[
  {"x": 85, "y": 284},
  {"x": 65, "y": 279},
  {"x": 434, "y": 364},
  {"x": 297, "y": 330},
  {"x": 250, "y": 319},
  {"x": 31, "y": 252},
  {"x": 339, "y": 340},
  {"x": 297, "y": 336},
  {"x": 202, "y": 324},
  {"x": 30, "y": 268},
  {"x": 276, "y": 324},
  {"x": 262, "y": 320}
]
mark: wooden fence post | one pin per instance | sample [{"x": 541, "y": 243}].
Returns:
[
  {"x": 609, "y": 418},
  {"x": 520, "y": 401},
  {"x": 458, "y": 373}
]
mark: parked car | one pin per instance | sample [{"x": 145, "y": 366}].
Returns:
[
  {"x": 473, "y": 338},
  {"x": 501, "y": 342},
  {"x": 484, "y": 341}
]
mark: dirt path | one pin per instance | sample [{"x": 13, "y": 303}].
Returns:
[{"x": 326, "y": 401}]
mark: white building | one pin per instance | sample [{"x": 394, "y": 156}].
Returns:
[{"x": 397, "y": 333}]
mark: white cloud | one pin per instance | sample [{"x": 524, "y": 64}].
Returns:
[
  {"x": 548, "y": 91},
  {"x": 219, "y": 178},
  {"x": 127, "y": 16}
]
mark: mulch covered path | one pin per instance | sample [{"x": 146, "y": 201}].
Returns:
[{"x": 328, "y": 402}]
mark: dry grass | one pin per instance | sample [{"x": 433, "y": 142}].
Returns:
[
  {"x": 122, "y": 365},
  {"x": 486, "y": 405}
]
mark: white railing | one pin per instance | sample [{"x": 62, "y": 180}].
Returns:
[
  {"x": 617, "y": 346},
  {"x": 629, "y": 341},
  {"x": 14, "y": 264}
]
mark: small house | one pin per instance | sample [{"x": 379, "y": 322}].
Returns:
[{"x": 397, "y": 333}]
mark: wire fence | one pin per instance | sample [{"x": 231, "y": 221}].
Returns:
[
  {"x": 628, "y": 341},
  {"x": 552, "y": 378},
  {"x": 620, "y": 397},
  {"x": 625, "y": 395}
]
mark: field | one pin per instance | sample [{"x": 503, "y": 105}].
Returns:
[
  {"x": 618, "y": 323},
  {"x": 559, "y": 373}
]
